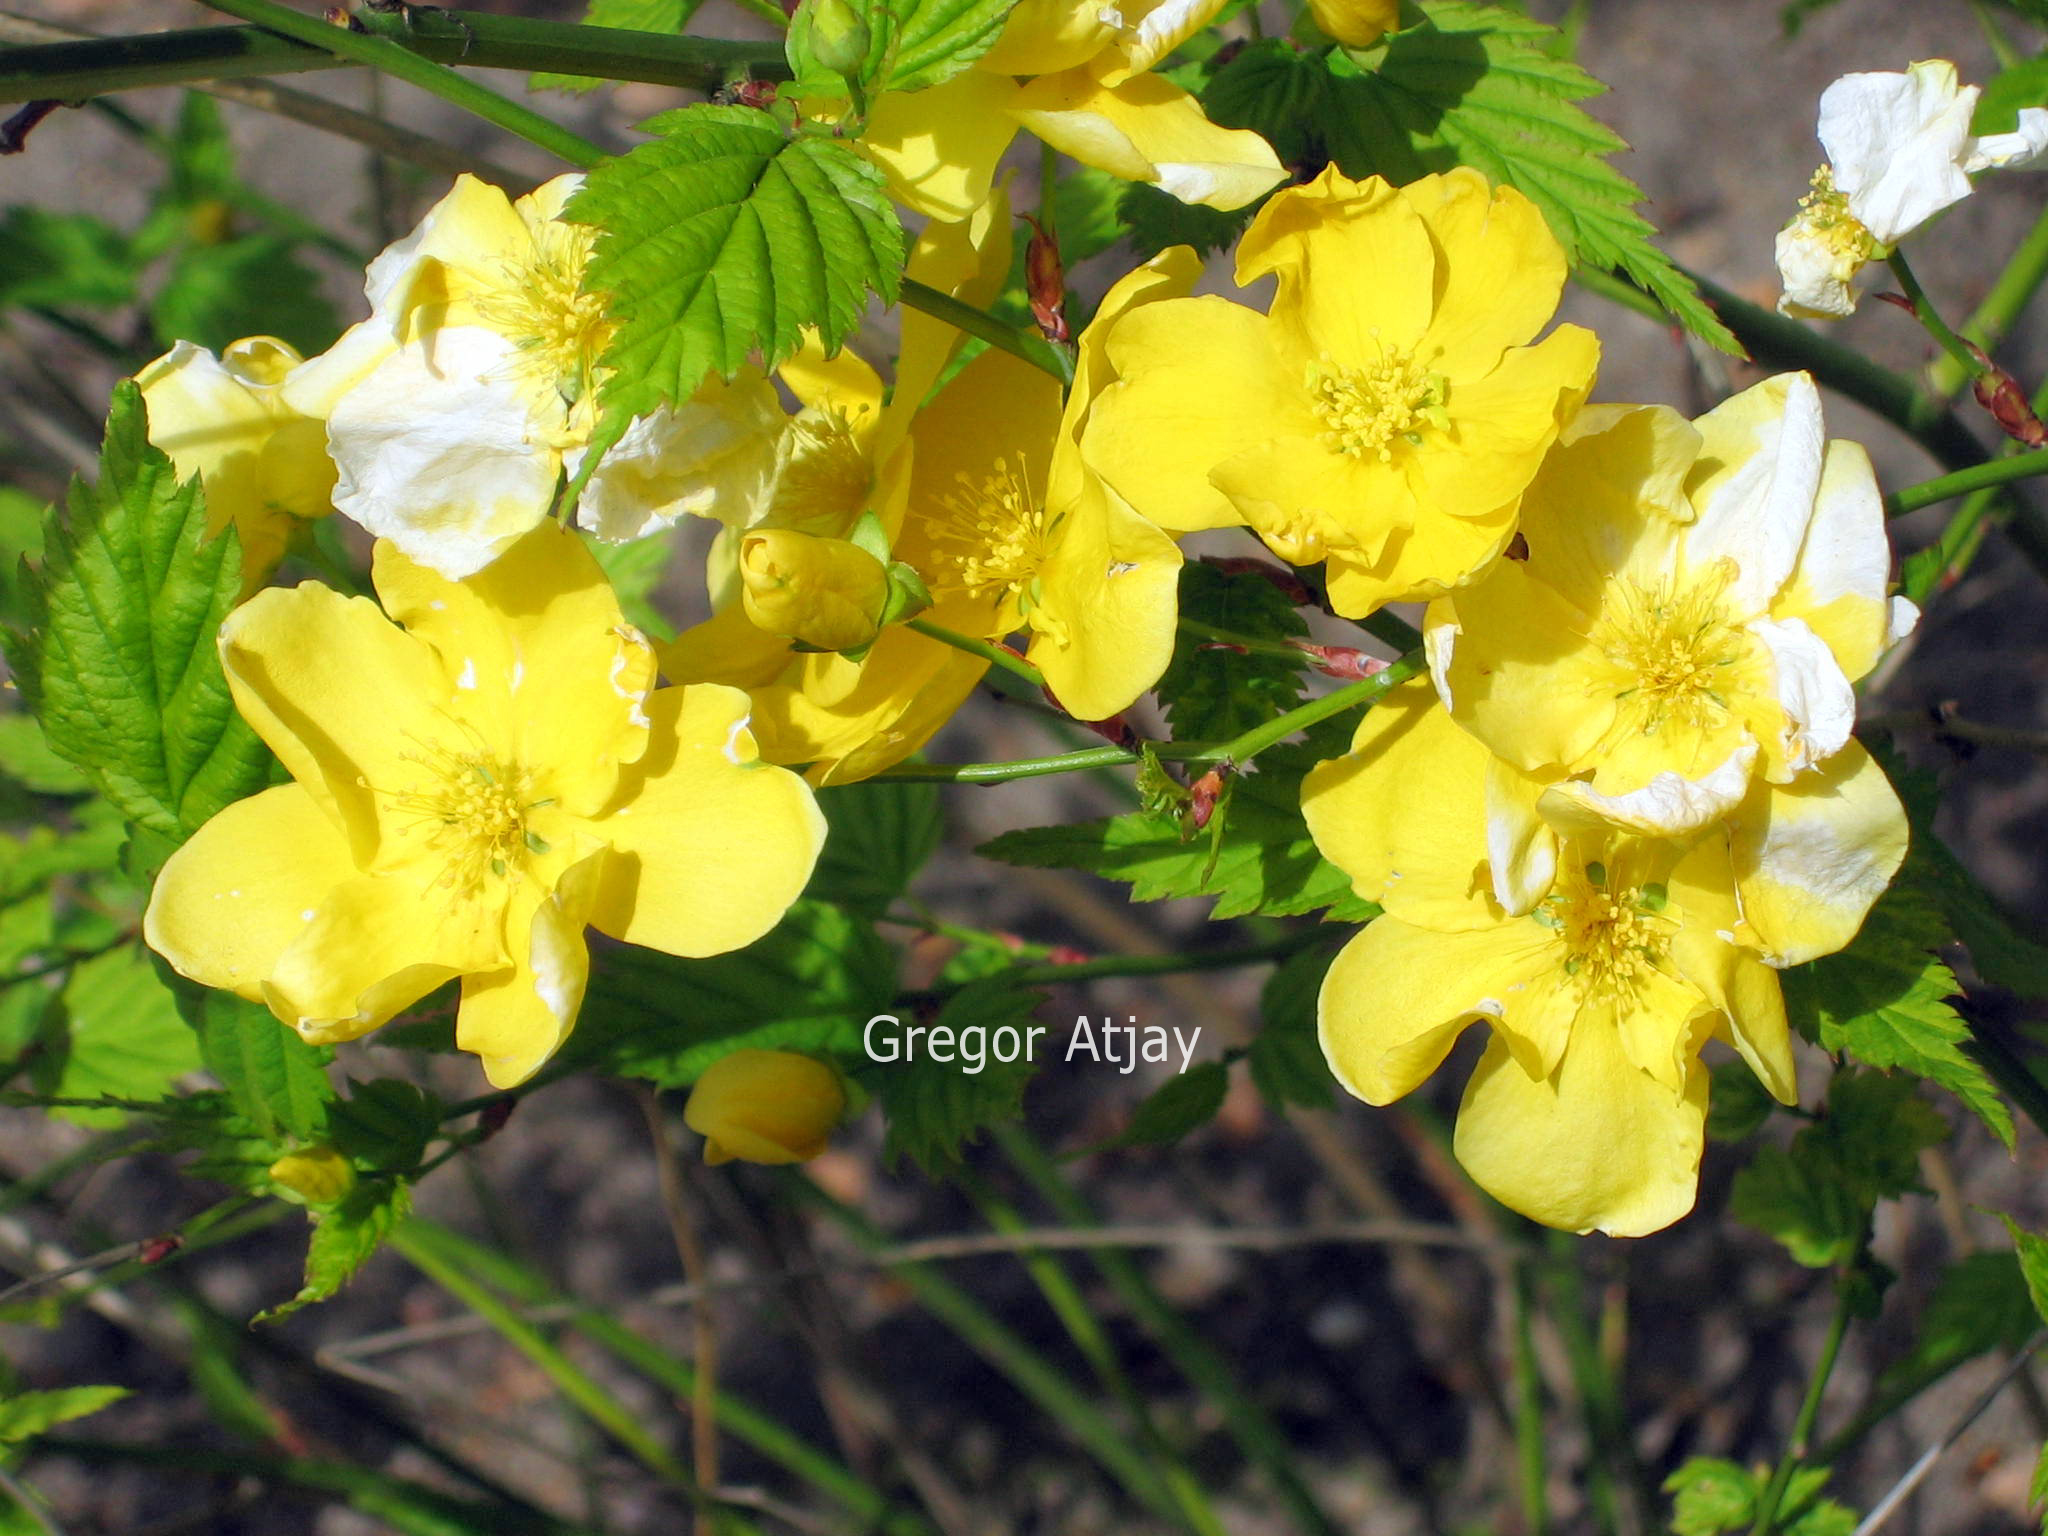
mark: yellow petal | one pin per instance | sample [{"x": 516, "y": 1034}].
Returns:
[
  {"x": 710, "y": 845},
  {"x": 1733, "y": 977},
  {"x": 1419, "y": 563},
  {"x": 535, "y": 640},
  {"x": 1308, "y": 502},
  {"x": 1500, "y": 270},
  {"x": 342, "y": 695},
  {"x": 1356, "y": 23},
  {"x": 939, "y": 147},
  {"x": 1598, "y": 1146},
  {"x": 1103, "y": 629},
  {"x": 772, "y": 1107},
  {"x": 1146, "y": 128},
  {"x": 1043, "y": 37},
  {"x": 1148, "y": 30},
  {"x": 209, "y": 423},
  {"x": 915, "y": 704},
  {"x": 1396, "y": 997},
  {"x": 1319, "y": 238},
  {"x": 241, "y": 890},
  {"x": 1502, "y": 424},
  {"x": 517, "y": 1017},
  {"x": 968, "y": 258},
  {"x": 1403, "y": 813},
  {"x": 1811, "y": 857}
]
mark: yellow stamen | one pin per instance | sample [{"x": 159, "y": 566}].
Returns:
[
  {"x": 474, "y": 811},
  {"x": 1614, "y": 936},
  {"x": 1824, "y": 217},
  {"x": 993, "y": 538},
  {"x": 1369, "y": 412},
  {"x": 540, "y": 304},
  {"x": 1673, "y": 647}
]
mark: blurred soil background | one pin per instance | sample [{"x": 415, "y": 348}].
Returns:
[{"x": 1384, "y": 1364}]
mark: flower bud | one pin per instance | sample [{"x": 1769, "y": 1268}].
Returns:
[
  {"x": 826, "y": 593},
  {"x": 765, "y": 1107},
  {"x": 839, "y": 36},
  {"x": 315, "y": 1175},
  {"x": 1356, "y": 23}
]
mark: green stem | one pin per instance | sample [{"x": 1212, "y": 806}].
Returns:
[
  {"x": 1532, "y": 1475},
  {"x": 1212, "y": 634},
  {"x": 1809, "y": 1409},
  {"x": 570, "y": 1380},
  {"x": 1977, "y": 477},
  {"x": 997, "y": 655},
  {"x": 1242, "y": 749},
  {"x": 1930, "y": 319},
  {"x": 1013, "y": 339},
  {"x": 74, "y": 71},
  {"x": 436, "y": 79},
  {"x": 1149, "y": 965},
  {"x": 1003, "y": 773},
  {"x": 2009, "y": 296},
  {"x": 1261, "y": 1439}
]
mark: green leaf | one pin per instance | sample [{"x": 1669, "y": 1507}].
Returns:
[
  {"x": 1802, "y": 1201},
  {"x": 1278, "y": 92},
  {"x": 1212, "y": 693},
  {"x": 2032, "y": 1252},
  {"x": 118, "y": 657},
  {"x": 667, "y": 17},
  {"x": 1876, "y": 1126},
  {"x": 935, "y": 1107},
  {"x": 635, "y": 570},
  {"x": 2037, "y": 1486},
  {"x": 1979, "y": 1304},
  {"x": 21, "y": 538},
  {"x": 384, "y": 1125},
  {"x": 1477, "y": 85},
  {"x": 912, "y": 44},
  {"x": 118, "y": 1035},
  {"x": 1713, "y": 1495},
  {"x": 881, "y": 835},
  {"x": 277, "y": 1081},
  {"x": 1264, "y": 861},
  {"x": 254, "y": 286},
  {"x": 25, "y": 757},
  {"x": 1157, "y": 220},
  {"x": 2024, "y": 85},
  {"x": 808, "y": 985},
  {"x": 1185, "y": 1102},
  {"x": 1286, "y": 1058},
  {"x": 722, "y": 236},
  {"x": 1883, "y": 1001},
  {"x": 26, "y": 1414},
  {"x": 1738, "y": 1104},
  {"x": 1085, "y": 214},
  {"x": 63, "y": 261},
  {"x": 345, "y": 1234}
]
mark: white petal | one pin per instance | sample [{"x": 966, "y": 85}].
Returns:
[
  {"x": 440, "y": 451},
  {"x": 1757, "y": 515},
  {"x": 1819, "y": 704},
  {"x": 1440, "y": 631},
  {"x": 1905, "y": 618},
  {"x": 713, "y": 457},
  {"x": 1815, "y": 276},
  {"x": 1670, "y": 805},
  {"x": 1898, "y": 143},
  {"x": 2009, "y": 151},
  {"x": 1521, "y": 850}
]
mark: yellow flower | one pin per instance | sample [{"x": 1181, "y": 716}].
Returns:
[
  {"x": 1356, "y": 23},
  {"x": 1012, "y": 531},
  {"x": 765, "y": 1107},
  {"x": 455, "y": 408},
  {"x": 1387, "y": 413},
  {"x": 225, "y": 419},
  {"x": 1695, "y": 602},
  {"x": 1588, "y": 1107},
  {"x": 827, "y": 593},
  {"x": 473, "y": 785},
  {"x": 1094, "y": 98}
]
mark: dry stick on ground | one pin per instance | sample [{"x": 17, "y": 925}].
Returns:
[
  {"x": 313, "y": 111},
  {"x": 675, "y": 1201}
]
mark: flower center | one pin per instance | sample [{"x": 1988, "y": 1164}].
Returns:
[
  {"x": 1673, "y": 646},
  {"x": 472, "y": 811},
  {"x": 1614, "y": 935},
  {"x": 541, "y": 307},
  {"x": 825, "y": 477},
  {"x": 1824, "y": 217},
  {"x": 1367, "y": 412},
  {"x": 992, "y": 537}
]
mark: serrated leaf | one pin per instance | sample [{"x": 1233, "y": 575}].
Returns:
[
  {"x": 808, "y": 985},
  {"x": 120, "y": 1036},
  {"x": 1185, "y": 1102},
  {"x": 667, "y": 17},
  {"x": 2032, "y": 1252},
  {"x": 1157, "y": 220},
  {"x": 63, "y": 260},
  {"x": 1477, "y": 85},
  {"x": 1211, "y": 692},
  {"x": 1713, "y": 1495},
  {"x": 1802, "y": 1202},
  {"x": 25, "y": 757},
  {"x": 1286, "y": 1057},
  {"x": 1882, "y": 1001},
  {"x": 912, "y": 44},
  {"x": 723, "y": 236},
  {"x": 1265, "y": 860},
  {"x": 30, "y": 1413},
  {"x": 254, "y": 286},
  {"x": 117, "y": 659},
  {"x": 345, "y": 1234},
  {"x": 935, "y": 1108},
  {"x": 1085, "y": 214},
  {"x": 277, "y": 1081},
  {"x": 1278, "y": 92},
  {"x": 1979, "y": 1304},
  {"x": 384, "y": 1125},
  {"x": 1737, "y": 1104},
  {"x": 21, "y": 537},
  {"x": 880, "y": 836}
]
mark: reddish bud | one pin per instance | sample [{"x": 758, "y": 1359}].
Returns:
[
  {"x": 154, "y": 1250},
  {"x": 1291, "y": 586},
  {"x": 1045, "y": 282},
  {"x": 1067, "y": 954},
  {"x": 758, "y": 94},
  {"x": 1202, "y": 797},
  {"x": 2000, "y": 394},
  {"x": 492, "y": 1117},
  {"x": 1345, "y": 661}
]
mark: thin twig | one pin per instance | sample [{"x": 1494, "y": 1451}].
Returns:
[
  {"x": 1903, "y": 1488},
  {"x": 675, "y": 1201}
]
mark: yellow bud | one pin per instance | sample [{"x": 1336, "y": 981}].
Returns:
[
  {"x": 827, "y": 593},
  {"x": 210, "y": 222},
  {"x": 765, "y": 1107},
  {"x": 839, "y": 36},
  {"x": 1356, "y": 23},
  {"x": 317, "y": 1175}
]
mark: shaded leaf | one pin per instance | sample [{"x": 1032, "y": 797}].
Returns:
[
  {"x": 277, "y": 1081},
  {"x": 936, "y": 1107},
  {"x": 30, "y": 1413},
  {"x": 880, "y": 836},
  {"x": 344, "y": 1236},
  {"x": 1286, "y": 1058},
  {"x": 1213, "y": 693}
]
